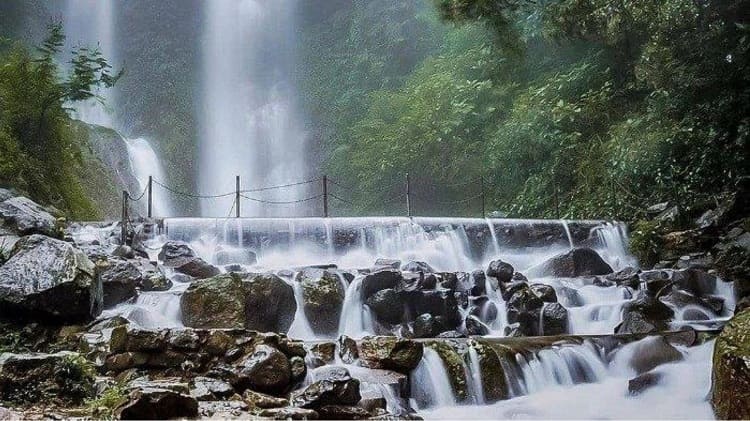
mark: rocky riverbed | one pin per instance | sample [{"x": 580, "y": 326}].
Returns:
[{"x": 92, "y": 327}]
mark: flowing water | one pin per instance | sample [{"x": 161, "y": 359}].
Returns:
[{"x": 250, "y": 126}]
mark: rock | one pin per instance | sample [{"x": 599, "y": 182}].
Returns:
[
  {"x": 644, "y": 314},
  {"x": 554, "y": 320},
  {"x": 480, "y": 283},
  {"x": 387, "y": 305},
  {"x": 390, "y": 353},
  {"x": 156, "y": 282},
  {"x": 34, "y": 378},
  {"x": 26, "y": 217},
  {"x": 337, "y": 388},
  {"x": 416, "y": 266},
  {"x": 196, "y": 267},
  {"x": 218, "y": 302},
  {"x": 342, "y": 412},
  {"x": 391, "y": 263},
  {"x": 652, "y": 352},
  {"x": 269, "y": 304},
  {"x": 545, "y": 292},
  {"x": 124, "y": 252},
  {"x": 439, "y": 303},
  {"x": 730, "y": 378},
  {"x": 184, "y": 339},
  {"x": 263, "y": 401},
  {"x": 493, "y": 373},
  {"x": 153, "y": 403},
  {"x": 133, "y": 339},
  {"x": 235, "y": 256},
  {"x": 425, "y": 326},
  {"x": 206, "y": 388},
  {"x": 657, "y": 208},
  {"x": 348, "y": 350},
  {"x": 380, "y": 280},
  {"x": 289, "y": 413},
  {"x": 266, "y": 370},
  {"x": 48, "y": 279},
  {"x": 175, "y": 250},
  {"x": 577, "y": 262},
  {"x": 570, "y": 297},
  {"x": 119, "y": 280},
  {"x": 508, "y": 289},
  {"x": 323, "y": 301},
  {"x": 627, "y": 277},
  {"x": 501, "y": 271},
  {"x": 475, "y": 327},
  {"x": 695, "y": 281},
  {"x": 639, "y": 384},
  {"x": 298, "y": 368},
  {"x": 455, "y": 367},
  {"x": 523, "y": 307},
  {"x": 322, "y": 353}
]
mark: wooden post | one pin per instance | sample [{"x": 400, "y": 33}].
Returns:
[
  {"x": 481, "y": 184},
  {"x": 124, "y": 222},
  {"x": 408, "y": 196},
  {"x": 150, "y": 196},
  {"x": 325, "y": 196},
  {"x": 237, "y": 196}
]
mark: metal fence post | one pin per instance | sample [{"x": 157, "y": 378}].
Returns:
[
  {"x": 408, "y": 196},
  {"x": 325, "y": 196},
  {"x": 481, "y": 184},
  {"x": 237, "y": 196},
  {"x": 124, "y": 223},
  {"x": 150, "y": 196}
]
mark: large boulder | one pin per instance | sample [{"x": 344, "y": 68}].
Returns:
[
  {"x": 266, "y": 370},
  {"x": 644, "y": 314},
  {"x": 269, "y": 304},
  {"x": 35, "y": 378},
  {"x": 730, "y": 393},
  {"x": 323, "y": 296},
  {"x": 120, "y": 280},
  {"x": 153, "y": 403},
  {"x": 179, "y": 256},
  {"x": 576, "y": 262},
  {"x": 337, "y": 387},
  {"x": 649, "y": 353},
  {"x": 387, "y": 305},
  {"x": 174, "y": 250},
  {"x": 217, "y": 302},
  {"x": 440, "y": 303},
  {"x": 49, "y": 279},
  {"x": 500, "y": 270},
  {"x": 390, "y": 353},
  {"x": 523, "y": 307},
  {"x": 380, "y": 280},
  {"x": 492, "y": 371},
  {"x": 554, "y": 320},
  {"x": 26, "y": 217}
]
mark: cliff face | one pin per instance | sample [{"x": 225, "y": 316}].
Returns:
[{"x": 730, "y": 393}]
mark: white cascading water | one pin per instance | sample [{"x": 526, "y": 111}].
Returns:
[
  {"x": 249, "y": 123},
  {"x": 92, "y": 23},
  {"x": 430, "y": 384}
]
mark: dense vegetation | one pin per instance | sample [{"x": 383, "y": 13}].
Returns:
[
  {"x": 589, "y": 108},
  {"x": 39, "y": 152}
]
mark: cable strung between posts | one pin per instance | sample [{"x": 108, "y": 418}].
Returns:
[
  {"x": 194, "y": 196},
  {"x": 143, "y": 193},
  {"x": 234, "y": 202},
  {"x": 280, "y": 186},
  {"x": 338, "y": 198},
  {"x": 453, "y": 202},
  {"x": 461, "y": 183},
  {"x": 271, "y": 202}
]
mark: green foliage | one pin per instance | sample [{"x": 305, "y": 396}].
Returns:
[
  {"x": 580, "y": 108},
  {"x": 645, "y": 241},
  {"x": 75, "y": 375},
  {"x": 38, "y": 151},
  {"x": 104, "y": 405}
]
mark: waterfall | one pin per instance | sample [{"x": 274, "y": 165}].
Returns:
[
  {"x": 145, "y": 163},
  {"x": 248, "y": 118},
  {"x": 430, "y": 384}
]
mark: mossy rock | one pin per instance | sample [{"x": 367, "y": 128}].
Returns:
[
  {"x": 731, "y": 369},
  {"x": 493, "y": 374},
  {"x": 454, "y": 364}
]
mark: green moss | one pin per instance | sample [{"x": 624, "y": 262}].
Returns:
[
  {"x": 731, "y": 369},
  {"x": 454, "y": 363},
  {"x": 104, "y": 405}
]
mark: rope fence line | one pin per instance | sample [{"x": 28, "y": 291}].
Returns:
[{"x": 405, "y": 197}]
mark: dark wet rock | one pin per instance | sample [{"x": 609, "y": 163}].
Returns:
[
  {"x": 106, "y": 323},
  {"x": 266, "y": 370},
  {"x": 390, "y": 353},
  {"x": 195, "y": 267},
  {"x": 235, "y": 256},
  {"x": 416, "y": 266},
  {"x": 298, "y": 368},
  {"x": 34, "y": 378},
  {"x": 324, "y": 298},
  {"x": 321, "y": 353},
  {"x": 485, "y": 310},
  {"x": 657, "y": 281},
  {"x": 479, "y": 280},
  {"x": 343, "y": 412},
  {"x": 207, "y": 389},
  {"x": 380, "y": 280},
  {"x": 181, "y": 278},
  {"x": 348, "y": 350},
  {"x": 454, "y": 365},
  {"x": 627, "y": 277},
  {"x": 174, "y": 250},
  {"x": 155, "y": 282},
  {"x": 156, "y": 403},
  {"x": 391, "y": 263},
  {"x": 695, "y": 281},
  {"x": 475, "y": 327},
  {"x": 730, "y": 378},
  {"x": 120, "y": 280},
  {"x": 439, "y": 303},
  {"x": 123, "y": 251},
  {"x": 570, "y": 297},
  {"x": 425, "y": 326},
  {"x": 508, "y": 289},
  {"x": 49, "y": 279},
  {"x": 451, "y": 334},
  {"x": 269, "y": 304},
  {"x": 336, "y": 388},
  {"x": 634, "y": 322},
  {"x": 639, "y": 384},
  {"x": 26, "y": 217},
  {"x": 493, "y": 373},
  {"x": 387, "y": 305},
  {"x": 501, "y": 271},
  {"x": 523, "y": 301},
  {"x": 134, "y": 339},
  {"x": 289, "y": 413},
  {"x": 700, "y": 261},
  {"x": 184, "y": 339},
  {"x": 218, "y": 302},
  {"x": 644, "y": 314},
  {"x": 652, "y": 352},
  {"x": 554, "y": 320},
  {"x": 577, "y": 262},
  {"x": 263, "y": 401},
  {"x": 545, "y": 292}
]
